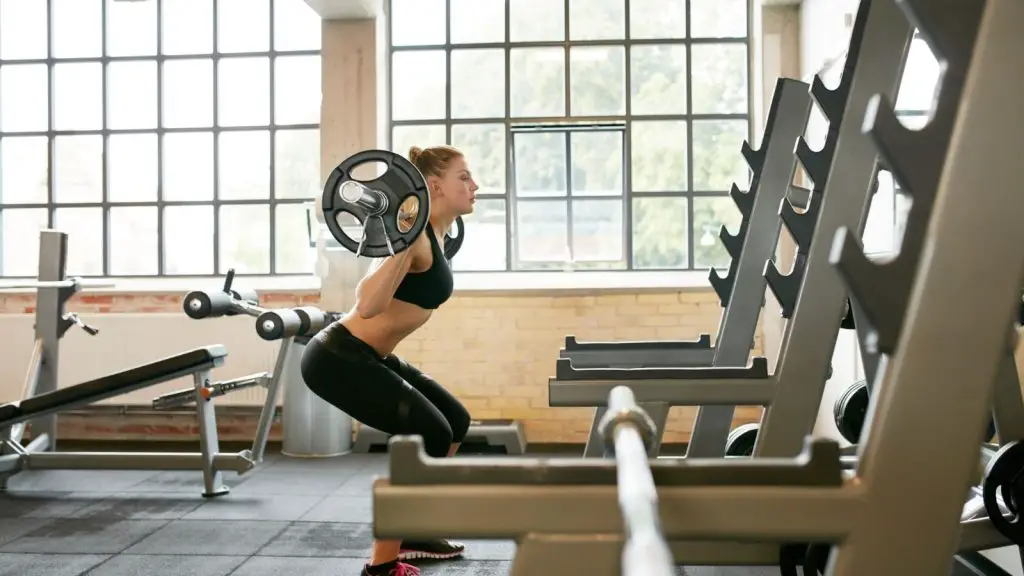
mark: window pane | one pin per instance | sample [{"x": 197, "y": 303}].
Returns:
[
  {"x": 131, "y": 28},
  {"x": 78, "y": 168},
  {"x": 133, "y": 241},
  {"x": 597, "y": 19},
  {"x": 424, "y": 136},
  {"x": 243, "y": 92},
  {"x": 132, "y": 167},
  {"x": 658, "y": 156},
  {"x": 486, "y": 251},
  {"x": 718, "y": 18},
  {"x": 717, "y": 161},
  {"x": 23, "y": 32},
  {"x": 913, "y": 122},
  {"x": 24, "y": 98},
  {"x": 920, "y": 78},
  {"x": 418, "y": 85},
  {"x": 879, "y": 227},
  {"x": 187, "y": 27},
  {"x": 542, "y": 234},
  {"x": 245, "y": 239},
  {"x": 188, "y": 166},
  {"x": 537, "y": 79},
  {"x": 244, "y": 165},
  {"x": 484, "y": 147},
  {"x": 188, "y": 240},
  {"x": 597, "y": 232},
  {"x": 540, "y": 164},
  {"x": 477, "y": 21},
  {"x": 598, "y": 80},
  {"x": 296, "y": 26},
  {"x": 536, "y": 20},
  {"x": 19, "y": 240},
  {"x": 131, "y": 95},
  {"x": 292, "y": 253},
  {"x": 24, "y": 170},
  {"x": 243, "y": 25},
  {"x": 297, "y": 90},
  {"x": 297, "y": 164},
  {"x": 719, "y": 78},
  {"x": 658, "y": 78},
  {"x": 77, "y": 28},
  {"x": 417, "y": 22},
  {"x": 78, "y": 96},
  {"x": 188, "y": 93},
  {"x": 597, "y": 163},
  {"x": 659, "y": 232},
  {"x": 84, "y": 227},
  {"x": 657, "y": 19},
  {"x": 475, "y": 95},
  {"x": 709, "y": 215}
]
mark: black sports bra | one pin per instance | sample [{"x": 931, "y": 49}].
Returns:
[{"x": 433, "y": 287}]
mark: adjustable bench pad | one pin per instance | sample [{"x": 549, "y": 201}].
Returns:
[{"x": 116, "y": 384}]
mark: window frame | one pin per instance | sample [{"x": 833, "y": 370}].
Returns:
[
  {"x": 512, "y": 122},
  {"x": 105, "y": 204}
]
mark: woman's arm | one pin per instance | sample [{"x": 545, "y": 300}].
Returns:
[{"x": 375, "y": 291}]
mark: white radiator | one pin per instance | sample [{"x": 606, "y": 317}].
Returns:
[{"x": 127, "y": 340}]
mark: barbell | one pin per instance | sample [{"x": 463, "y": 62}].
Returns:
[{"x": 392, "y": 209}]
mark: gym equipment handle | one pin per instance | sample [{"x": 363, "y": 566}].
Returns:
[
  {"x": 627, "y": 430},
  {"x": 187, "y": 396}
]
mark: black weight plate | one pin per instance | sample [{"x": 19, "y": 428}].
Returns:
[
  {"x": 401, "y": 181},
  {"x": 453, "y": 243},
  {"x": 1004, "y": 474},
  {"x": 741, "y": 439},
  {"x": 850, "y": 410}
]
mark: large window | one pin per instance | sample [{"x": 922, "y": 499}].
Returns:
[
  {"x": 167, "y": 137},
  {"x": 883, "y": 230},
  {"x": 603, "y": 133}
]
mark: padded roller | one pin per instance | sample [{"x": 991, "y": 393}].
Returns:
[
  {"x": 278, "y": 324},
  {"x": 199, "y": 304},
  {"x": 741, "y": 439},
  {"x": 313, "y": 320}
]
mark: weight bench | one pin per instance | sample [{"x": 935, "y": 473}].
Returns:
[
  {"x": 197, "y": 363},
  {"x": 507, "y": 434}
]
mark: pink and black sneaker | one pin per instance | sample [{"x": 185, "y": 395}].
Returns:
[
  {"x": 390, "y": 569},
  {"x": 430, "y": 550}
]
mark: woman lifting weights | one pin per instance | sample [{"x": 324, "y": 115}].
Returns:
[{"x": 351, "y": 363}]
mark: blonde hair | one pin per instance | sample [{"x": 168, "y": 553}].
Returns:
[{"x": 435, "y": 160}]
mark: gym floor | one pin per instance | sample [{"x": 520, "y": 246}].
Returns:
[{"x": 287, "y": 516}]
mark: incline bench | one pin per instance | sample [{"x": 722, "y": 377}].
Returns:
[{"x": 42, "y": 398}]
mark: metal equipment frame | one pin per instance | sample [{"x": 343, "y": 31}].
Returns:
[{"x": 565, "y": 512}]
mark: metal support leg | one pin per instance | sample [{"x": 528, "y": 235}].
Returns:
[
  {"x": 822, "y": 297},
  {"x": 658, "y": 411},
  {"x": 967, "y": 283},
  {"x": 53, "y": 249},
  {"x": 259, "y": 444},
  {"x": 213, "y": 480},
  {"x": 773, "y": 166}
]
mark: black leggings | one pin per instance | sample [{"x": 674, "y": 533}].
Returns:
[{"x": 386, "y": 393}]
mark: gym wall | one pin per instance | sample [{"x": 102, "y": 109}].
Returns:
[{"x": 495, "y": 350}]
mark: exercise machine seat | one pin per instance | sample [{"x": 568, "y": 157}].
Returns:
[{"x": 116, "y": 384}]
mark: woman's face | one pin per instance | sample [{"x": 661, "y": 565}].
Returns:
[{"x": 457, "y": 187}]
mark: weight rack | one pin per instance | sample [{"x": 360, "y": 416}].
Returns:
[
  {"x": 741, "y": 290},
  {"x": 843, "y": 172},
  {"x": 565, "y": 514}
]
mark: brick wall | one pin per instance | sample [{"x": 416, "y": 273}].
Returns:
[{"x": 496, "y": 352}]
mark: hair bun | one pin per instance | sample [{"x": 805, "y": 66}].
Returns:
[{"x": 414, "y": 153}]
